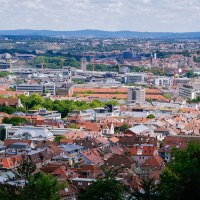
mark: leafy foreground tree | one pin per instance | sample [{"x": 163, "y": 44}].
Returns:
[
  {"x": 37, "y": 187},
  {"x": 181, "y": 178},
  {"x": 149, "y": 191},
  {"x": 105, "y": 188},
  {"x": 24, "y": 170},
  {"x": 42, "y": 187}
]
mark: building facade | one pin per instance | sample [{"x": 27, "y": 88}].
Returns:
[
  {"x": 41, "y": 89},
  {"x": 189, "y": 91},
  {"x": 136, "y": 95}
]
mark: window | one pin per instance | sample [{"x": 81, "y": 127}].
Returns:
[{"x": 79, "y": 183}]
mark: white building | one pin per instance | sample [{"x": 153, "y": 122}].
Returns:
[
  {"x": 30, "y": 133},
  {"x": 163, "y": 81}
]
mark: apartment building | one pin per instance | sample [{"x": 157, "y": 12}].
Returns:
[{"x": 36, "y": 88}]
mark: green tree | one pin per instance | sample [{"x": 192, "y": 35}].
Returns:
[
  {"x": 42, "y": 187},
  {"x": 7, "y": 109},
  {"x": 74, "y": 126},
  {"x": 151, "y": 116},
  {"x": 112, "y": 102},
  {"x": 181, "y": 178},
  {"x": 148, "y": 191},
  {"x": 196, "y": 100},
  {"x": 106, "y": 187},
  {"x": 168, "y": 96},
  {"x": 15, "y": 121},
  {"x": 191, "y": 74},
  {"x": 24, "y": 169},
  {"x": 4, "y": 74},
  {"x": 58, "y": 138},
  {"x": 2, "y": 134},
  {"x": 124, "y": 127},
  {"x": 37, "y": 187}
]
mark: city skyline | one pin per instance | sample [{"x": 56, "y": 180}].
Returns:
[{"x": 110, "y": 15}]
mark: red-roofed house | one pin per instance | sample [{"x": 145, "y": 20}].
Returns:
[
  {"x": 92, "y": 157},
  {"x": 152, "y": 164},
  {"x": 140, "y": 153}
]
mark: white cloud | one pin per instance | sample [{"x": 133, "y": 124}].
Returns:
[{"x": 141, "y": 15}]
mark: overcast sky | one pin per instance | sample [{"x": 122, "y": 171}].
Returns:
[{"x": 135, "y": 15}]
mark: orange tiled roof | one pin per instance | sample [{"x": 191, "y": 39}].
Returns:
[
  {"x": 156, "y": 97},
  {"x": 153, "y": 91},
  {"x": 11, "y": 161},
  {"x": 114, "y": 139},
  {"x": 101, "y": 90},
  {"x": 105, "y": 96}
]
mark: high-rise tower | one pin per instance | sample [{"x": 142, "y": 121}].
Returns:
[{"x": 83, "y": 64}]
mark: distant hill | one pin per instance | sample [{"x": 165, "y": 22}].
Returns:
[{"x": 99, "y": 33}]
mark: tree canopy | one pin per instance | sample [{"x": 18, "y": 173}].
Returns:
[
  {"x": 181, "y": 177},
  {"x": 106, "y": 187},
  {"x": 42, "y": 187},
  {"x": 15, "y": 121},
  {"x": 151, "y": 116},
  {"x": 36, "y": 101},
  {"x": 37, "y": 187}
]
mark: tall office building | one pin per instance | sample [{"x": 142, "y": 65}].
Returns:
[
  {"x": 155, "y": 56},
  {"x": 136, "y": 95},
  {"x": 83, "y": 64}
]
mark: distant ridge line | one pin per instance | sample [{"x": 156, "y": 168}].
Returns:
[{"x": 101, "y": 33}]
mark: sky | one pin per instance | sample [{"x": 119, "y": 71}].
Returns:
[{"x": 112, "y": 15}]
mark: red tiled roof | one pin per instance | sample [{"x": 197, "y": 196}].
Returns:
[
  {"x": 93, "y": 156},
  {"x": 9, "y": 101},
  {"x": 153, "y": 161},
  {"x": 11, "y": 141},
  {"x": 143, "y": 150}
]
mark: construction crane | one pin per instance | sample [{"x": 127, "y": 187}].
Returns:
[
  {"x": 92, "y": 63},
  {"x": 163, "y": 69},
  {"x": 62, "y": 63},
  {"x": 174, "y": 81},
  {"x": 150, "y": 73},
  {"x": 42, "y": 67}
]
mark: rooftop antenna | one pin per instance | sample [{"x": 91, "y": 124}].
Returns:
[{"x": 42, "y": 67}]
